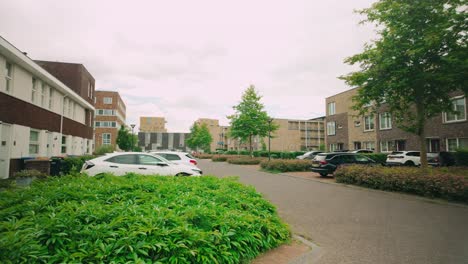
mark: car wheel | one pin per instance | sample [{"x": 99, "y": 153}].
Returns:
[
  {"x": 409, "y": 163},
  {"x": 182, "y": 174},
  {"x": 323, "y": 174}
]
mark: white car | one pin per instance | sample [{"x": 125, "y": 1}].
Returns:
[
  {"x": 137, "y": 162},
  {"x": 309, "y": 155},
  {"x": 177, "y": 157},
  {"x": 407, "y": 158}
]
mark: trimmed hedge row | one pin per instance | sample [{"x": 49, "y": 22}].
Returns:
[
  {"x": 264, "y": 154},
  {"x": 446, "y": 183},
  {"x": 286, "y": 165},
  {"x": 137, "y": 219},
  {"x": 245, "y": 161},
  {"x": 73, "y": 164},
  {"x": 203, "y": 156},
  {"x": 219, "y": 158}
]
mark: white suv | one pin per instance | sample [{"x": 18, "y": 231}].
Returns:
[
  {"x": 177, "y": 157},
  {"x": 407, "y": 158}
]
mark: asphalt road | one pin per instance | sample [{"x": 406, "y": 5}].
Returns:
[{"x": 357, "y": 225}]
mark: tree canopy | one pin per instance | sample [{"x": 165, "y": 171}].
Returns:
[
  {"x": 200, "y": 137},
  {"x": 418, "y": 60},
  {"x": 125, "y": 139},
  {"x": 250, "y": 119}
]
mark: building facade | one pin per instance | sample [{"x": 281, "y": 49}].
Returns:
[
  {"x": 163, "y": 141},
  {"x": 345, "y": 129},
  {"x": 292, "y": 135},
  {"x": 110, "y": 115},
  {"x": 40, "y": 116},
  {"x": 152, "y": 124}
]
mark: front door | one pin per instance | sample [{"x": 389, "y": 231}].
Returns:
[{"x": 5, "y": 146}]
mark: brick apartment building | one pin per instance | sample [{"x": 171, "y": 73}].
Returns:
[
  {"x": 42, "y": 113},
  {"x": 110, "y": 116},
  {"x": 345, "y": 129},
  {"x": 152, "y": 124},
  {"x": 292, "y": 135}
]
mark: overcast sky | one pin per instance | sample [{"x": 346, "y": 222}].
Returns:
[{"x": 186, "y": 60}]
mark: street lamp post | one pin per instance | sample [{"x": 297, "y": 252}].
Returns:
[
  {"x": 269, "y": 137},
  {"x": 133, "y": 126}
]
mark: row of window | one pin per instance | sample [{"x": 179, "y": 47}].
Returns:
[
  {"x": 458, "y": 104},
  {"x": 110, "y": 124},
  {"x": 433, "y": 145},
  {"x": 34, "y": 143},
  {"x": 106, "y": 112}
]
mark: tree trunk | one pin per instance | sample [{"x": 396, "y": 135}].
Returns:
[
  {"x": 250, "y": 142},
  {"x": 421, "y": 131}
]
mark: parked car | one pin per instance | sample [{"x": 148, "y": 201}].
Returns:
[
  {"x": 137, "y": 162},
  {"x": 407, "y": 158},
  {"x": 177, "y": 157},
  {"x": 309, "y": 155},
  {"x": 442, "y": 158},
  {"x": 362, "y": 151},
  {"x": 327, "y": 163}
]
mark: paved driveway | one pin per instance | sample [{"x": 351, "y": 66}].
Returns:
[{"x": 356, "y": 225}]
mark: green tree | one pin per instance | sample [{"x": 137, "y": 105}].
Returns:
[
  {"x": 200, "y": 137},
  {"x": 125, "y": 139},
  {"x": 250, "y": 119},
  {"x": 418, "y": 61}
]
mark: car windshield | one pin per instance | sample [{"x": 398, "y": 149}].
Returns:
[{"x": 396, "y": 152}]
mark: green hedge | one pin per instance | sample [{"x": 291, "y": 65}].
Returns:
[
  {"x": 137, "y": 219},
  {"x": 446, "y": 183},
  {"x": 244, "y": 161},
  {"x": 203, "y": 156},
  {"x": 74, "y": 164},
  {"x": 274, "y": 154},
  {"x": 377, "y": 157},
  {"x": 286, "y": 165},
  {"x": 219, "y": 158}
]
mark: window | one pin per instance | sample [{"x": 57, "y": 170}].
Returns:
[
  {"x": 106, "y": 112},
  {"x": 357, "y": 145},
  {"x": 148, "y": 160},
  {"x": 106, "y": 139},
  {"x": 172, "y": 157},
  {"x": 331, "y": 108},
  {"x": 105, "y": 124},
  {"x": 89, "y": 89},
  {"x": 387, "y": 146},
  {"x": 385, "y": 120},
  {"x": 400, "y": 145},
  {"x": 43, "y": 92},
  {"x": 64, "y": 144},
  {"x": 369, "y": 123},
  {"x": 368, "y": 145},
  {"x": 333, "y": 147},
  {"x": 51, "y": 97},
  {"x": 433, "y": 145},
  {"x": 457, "y": 143},
  {"x": 107, "y": 100},
  {"x": 8, "y": 77},
  {"x": 331, "y": 128},
  {"x": 33, "y": 142},
  {"x": 33, "y": 90},
  {"x": 123, "y": 159},
  {"x": 459, "y": 105}
]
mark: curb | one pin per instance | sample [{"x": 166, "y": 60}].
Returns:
[{"x": 311, "y": 256}]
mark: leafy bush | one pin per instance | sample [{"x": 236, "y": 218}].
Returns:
[
  {"x": 286, "y": 165},
  {"x": 244, "y": 161},
  {"x": 30, "y": 173},
  {"x": 104, "y": 149},
  {"x": 73, "y": 164},
  {"x": 461, "y": 157},
  {"x": 444, "y": 183},
  {"x": 138, "y": 219},
  {"x": 377, "y": 157},
  {"x": 219, "y": 158}
]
